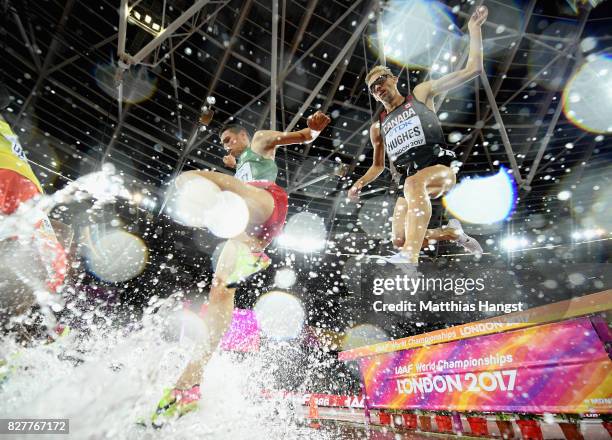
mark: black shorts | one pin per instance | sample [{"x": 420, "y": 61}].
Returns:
[{"x": 424, "y": 157}]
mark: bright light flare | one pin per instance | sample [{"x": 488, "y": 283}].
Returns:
[
  {"x": 587, "y": 98},
  {"x": 374, "y": 215},
  {"x": 513, "y": 243},
  {"x": 197, "y": 202},
  {"x": 229, "y": 217},
  {"x": 285, "y": 278},
  {"x": 483, "y": 200},
  {"x": 280, "y": 316},
  {"x": 305, "y": 232},
  {"x": 454, "y": 137},
  {"x": 564, "y": 195},
  {"x": 301, "y": 244},
  {"x": 184, "y": 325},
  {"x": 588, "y": 234},
  {"x": 426, "y": 24}
]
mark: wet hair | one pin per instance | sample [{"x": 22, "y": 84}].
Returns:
[
  {"x": 234, "y": 128},
  {"x": 375, "y": 71}
]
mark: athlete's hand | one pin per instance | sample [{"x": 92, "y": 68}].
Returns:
[
  {"x": 478, "y": 18},
  {"x": 229, "y": 161},
  {"x": 318, "y": 121},
  {"x": 353, "y": 193}
]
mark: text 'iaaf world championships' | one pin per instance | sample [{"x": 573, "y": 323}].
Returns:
[
  {"x": 413, "y": 285},
  {"x": 453, "y": 364}
]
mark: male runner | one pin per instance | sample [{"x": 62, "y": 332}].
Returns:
[
  {"x": 410, "y": 132},
  {"x": 243, "y": 255}
]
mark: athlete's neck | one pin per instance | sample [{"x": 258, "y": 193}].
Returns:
[{"x": 394, "y": 103}]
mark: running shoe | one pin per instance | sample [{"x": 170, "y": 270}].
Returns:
[
  {"x": 398, "y": 258},
  {"x": 175, "y": 403},
  {"x": 247, "y": 265},
  {"x": 468, "y": 243},
  {"x": 404, "y": 264}
]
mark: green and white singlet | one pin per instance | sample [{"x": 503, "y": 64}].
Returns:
[{"x": 252, "y": 166}]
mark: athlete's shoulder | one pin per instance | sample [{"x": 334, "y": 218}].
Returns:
[
  {"x": 422, "y": 91},
  {"x": 375, "y": 134},
  {"x": 265, "y": 142},
  {"x": 261, "y": 142}
]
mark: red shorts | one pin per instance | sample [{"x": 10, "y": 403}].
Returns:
[
  {"x": 276, "y": 222},
  {"x": 14, "y": 190}
]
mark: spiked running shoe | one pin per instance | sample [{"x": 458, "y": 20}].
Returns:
[
  {"x": 468, "y": 243},
  {"x": 175, "y": 403},
  {"x": 247, "y": 265}
]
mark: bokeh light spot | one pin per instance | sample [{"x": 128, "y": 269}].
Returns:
[
  {"x": 587, "y": 98},
  {"x": 116, "y": 256},
  {"x": 280, "y": 315},
  {"x": 483, "y": 199}
]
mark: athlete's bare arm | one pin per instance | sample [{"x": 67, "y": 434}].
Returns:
[
  {"x": 378, "y": 163},
  {"x": 265, "y": 142},
  {"x": 426, "y": 91}
]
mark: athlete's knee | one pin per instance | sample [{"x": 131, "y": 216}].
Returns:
[
  {"x": 189, "y": 176},
  {"x": 207, "y": 174},
  {"x": 412, "y": 185},
  {"x": 445, "y": 177}
]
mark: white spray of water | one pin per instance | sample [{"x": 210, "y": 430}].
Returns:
[
  {"x": 106, "y": 378},
  {"x": 103, "y": 186},
  {"x": 22, "y": 269},
  {"x": 119, "y": 379}
]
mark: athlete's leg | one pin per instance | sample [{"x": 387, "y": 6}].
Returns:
[
  {"x": 217, "y": 320},
  {"x": 254, "y": 243},
  {"x": 220, "y": 307},
  {"x": 417, "y": 190},
  {"x": 441, "y": 234},
  {"x": 218, "y": 315},
  {"x": 185, "y": 395},
  {"x": 398, "y": 226},
  {"x": 435, "y": 191},
  {"x": 259, "y": 201}
]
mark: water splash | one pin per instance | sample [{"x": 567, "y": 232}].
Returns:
[
  {"x": 107, "y": 382},
  {"x": 110, "y": 371},
  {"x": 24, "y": 261},
  {"x": 103, "y": 186}
]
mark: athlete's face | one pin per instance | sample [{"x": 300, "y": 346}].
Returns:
[
  {"x": 234, "y": 143},
  {"x": 383, "y": 87}
]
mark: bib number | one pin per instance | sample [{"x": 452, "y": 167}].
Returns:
[
  {"x": 244, "y": 173},
  {"x": 404, "y": 136}
]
